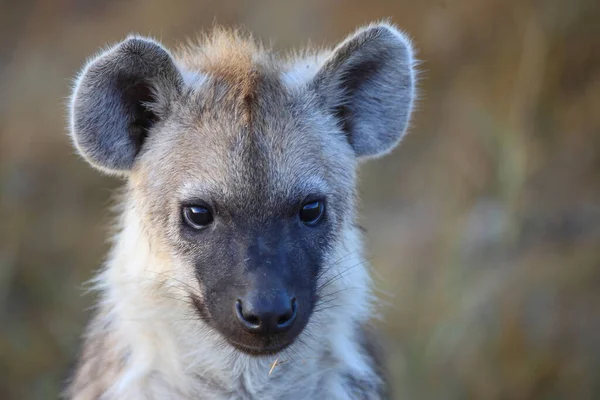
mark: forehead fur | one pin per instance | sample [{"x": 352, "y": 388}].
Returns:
[
  {"x": 233, "y": 58},
  {"x": 240, "y": 132},
  {"x": 223, "y": 53}
]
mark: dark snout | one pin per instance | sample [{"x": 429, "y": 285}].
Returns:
[
  {"x": 263, "y": 295},
  {"x": 266, "y": 312}
]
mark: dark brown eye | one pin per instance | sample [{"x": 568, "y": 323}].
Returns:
[
  {"x": 312, "y": 212},
  {"x": 197, "y": 217}
]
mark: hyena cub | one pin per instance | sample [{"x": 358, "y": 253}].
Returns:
[{"x": 237, "y": 272}]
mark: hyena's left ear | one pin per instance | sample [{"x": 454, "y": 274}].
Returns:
[
  {"x": 117, "y": 99},
  {"x": 368, "y": 83}
]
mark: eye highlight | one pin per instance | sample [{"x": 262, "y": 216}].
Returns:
[
  {"x": 197, "y": 217},
  {"x": 312, "y": 212}
]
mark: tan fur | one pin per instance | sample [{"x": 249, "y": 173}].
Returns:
[
  {"x": 241, "y": 129},
  {"x": 232, "y": 57}
]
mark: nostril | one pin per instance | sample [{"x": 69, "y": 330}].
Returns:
[
  {"x": 250, "y": 321},
  {"x": 288, "y": 318},
  {"x": 253, "y": 320}
]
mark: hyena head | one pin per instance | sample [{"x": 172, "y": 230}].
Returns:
[{"x": 241, "y": 165}]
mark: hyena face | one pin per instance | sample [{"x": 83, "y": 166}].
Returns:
[
  {"x": 251, "y": 202},
  {"x": 242, "y": 166}
]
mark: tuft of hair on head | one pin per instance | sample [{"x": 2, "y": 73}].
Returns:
[{"x": 224, "y": 53}]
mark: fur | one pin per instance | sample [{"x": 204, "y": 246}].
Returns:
[{"x": 309, "y": 120}]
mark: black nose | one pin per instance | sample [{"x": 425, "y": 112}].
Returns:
[{"x": 266, "y": 315}]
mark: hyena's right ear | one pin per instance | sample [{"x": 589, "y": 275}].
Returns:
[{"x": 118, "y": 97}]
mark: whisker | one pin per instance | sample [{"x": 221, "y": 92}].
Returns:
[
  {"x": 320, "y": 310},
  {"x": 339, "y": 275},
  {"x": 335, "y": 263},
  {"x": 193, "y": 289},
  {"x": 321, "y": 297}
]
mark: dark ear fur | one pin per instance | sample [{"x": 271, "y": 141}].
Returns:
[
  {"x": 368, "y": 83},
  {"x": 118, "y": 97}
]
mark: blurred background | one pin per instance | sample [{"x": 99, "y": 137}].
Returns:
[{"x": 484, "y": 226}]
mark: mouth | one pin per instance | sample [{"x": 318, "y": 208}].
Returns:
[{"x": 266, "y": 350}]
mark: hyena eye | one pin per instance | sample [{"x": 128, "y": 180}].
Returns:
[
  {"x": 197, "y": 217},
  {"x": 312, "y": 212}
]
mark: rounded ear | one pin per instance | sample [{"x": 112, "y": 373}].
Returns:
[
  {"x": 117, "y": 98},
  {"x": 368, "y": 84}
]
